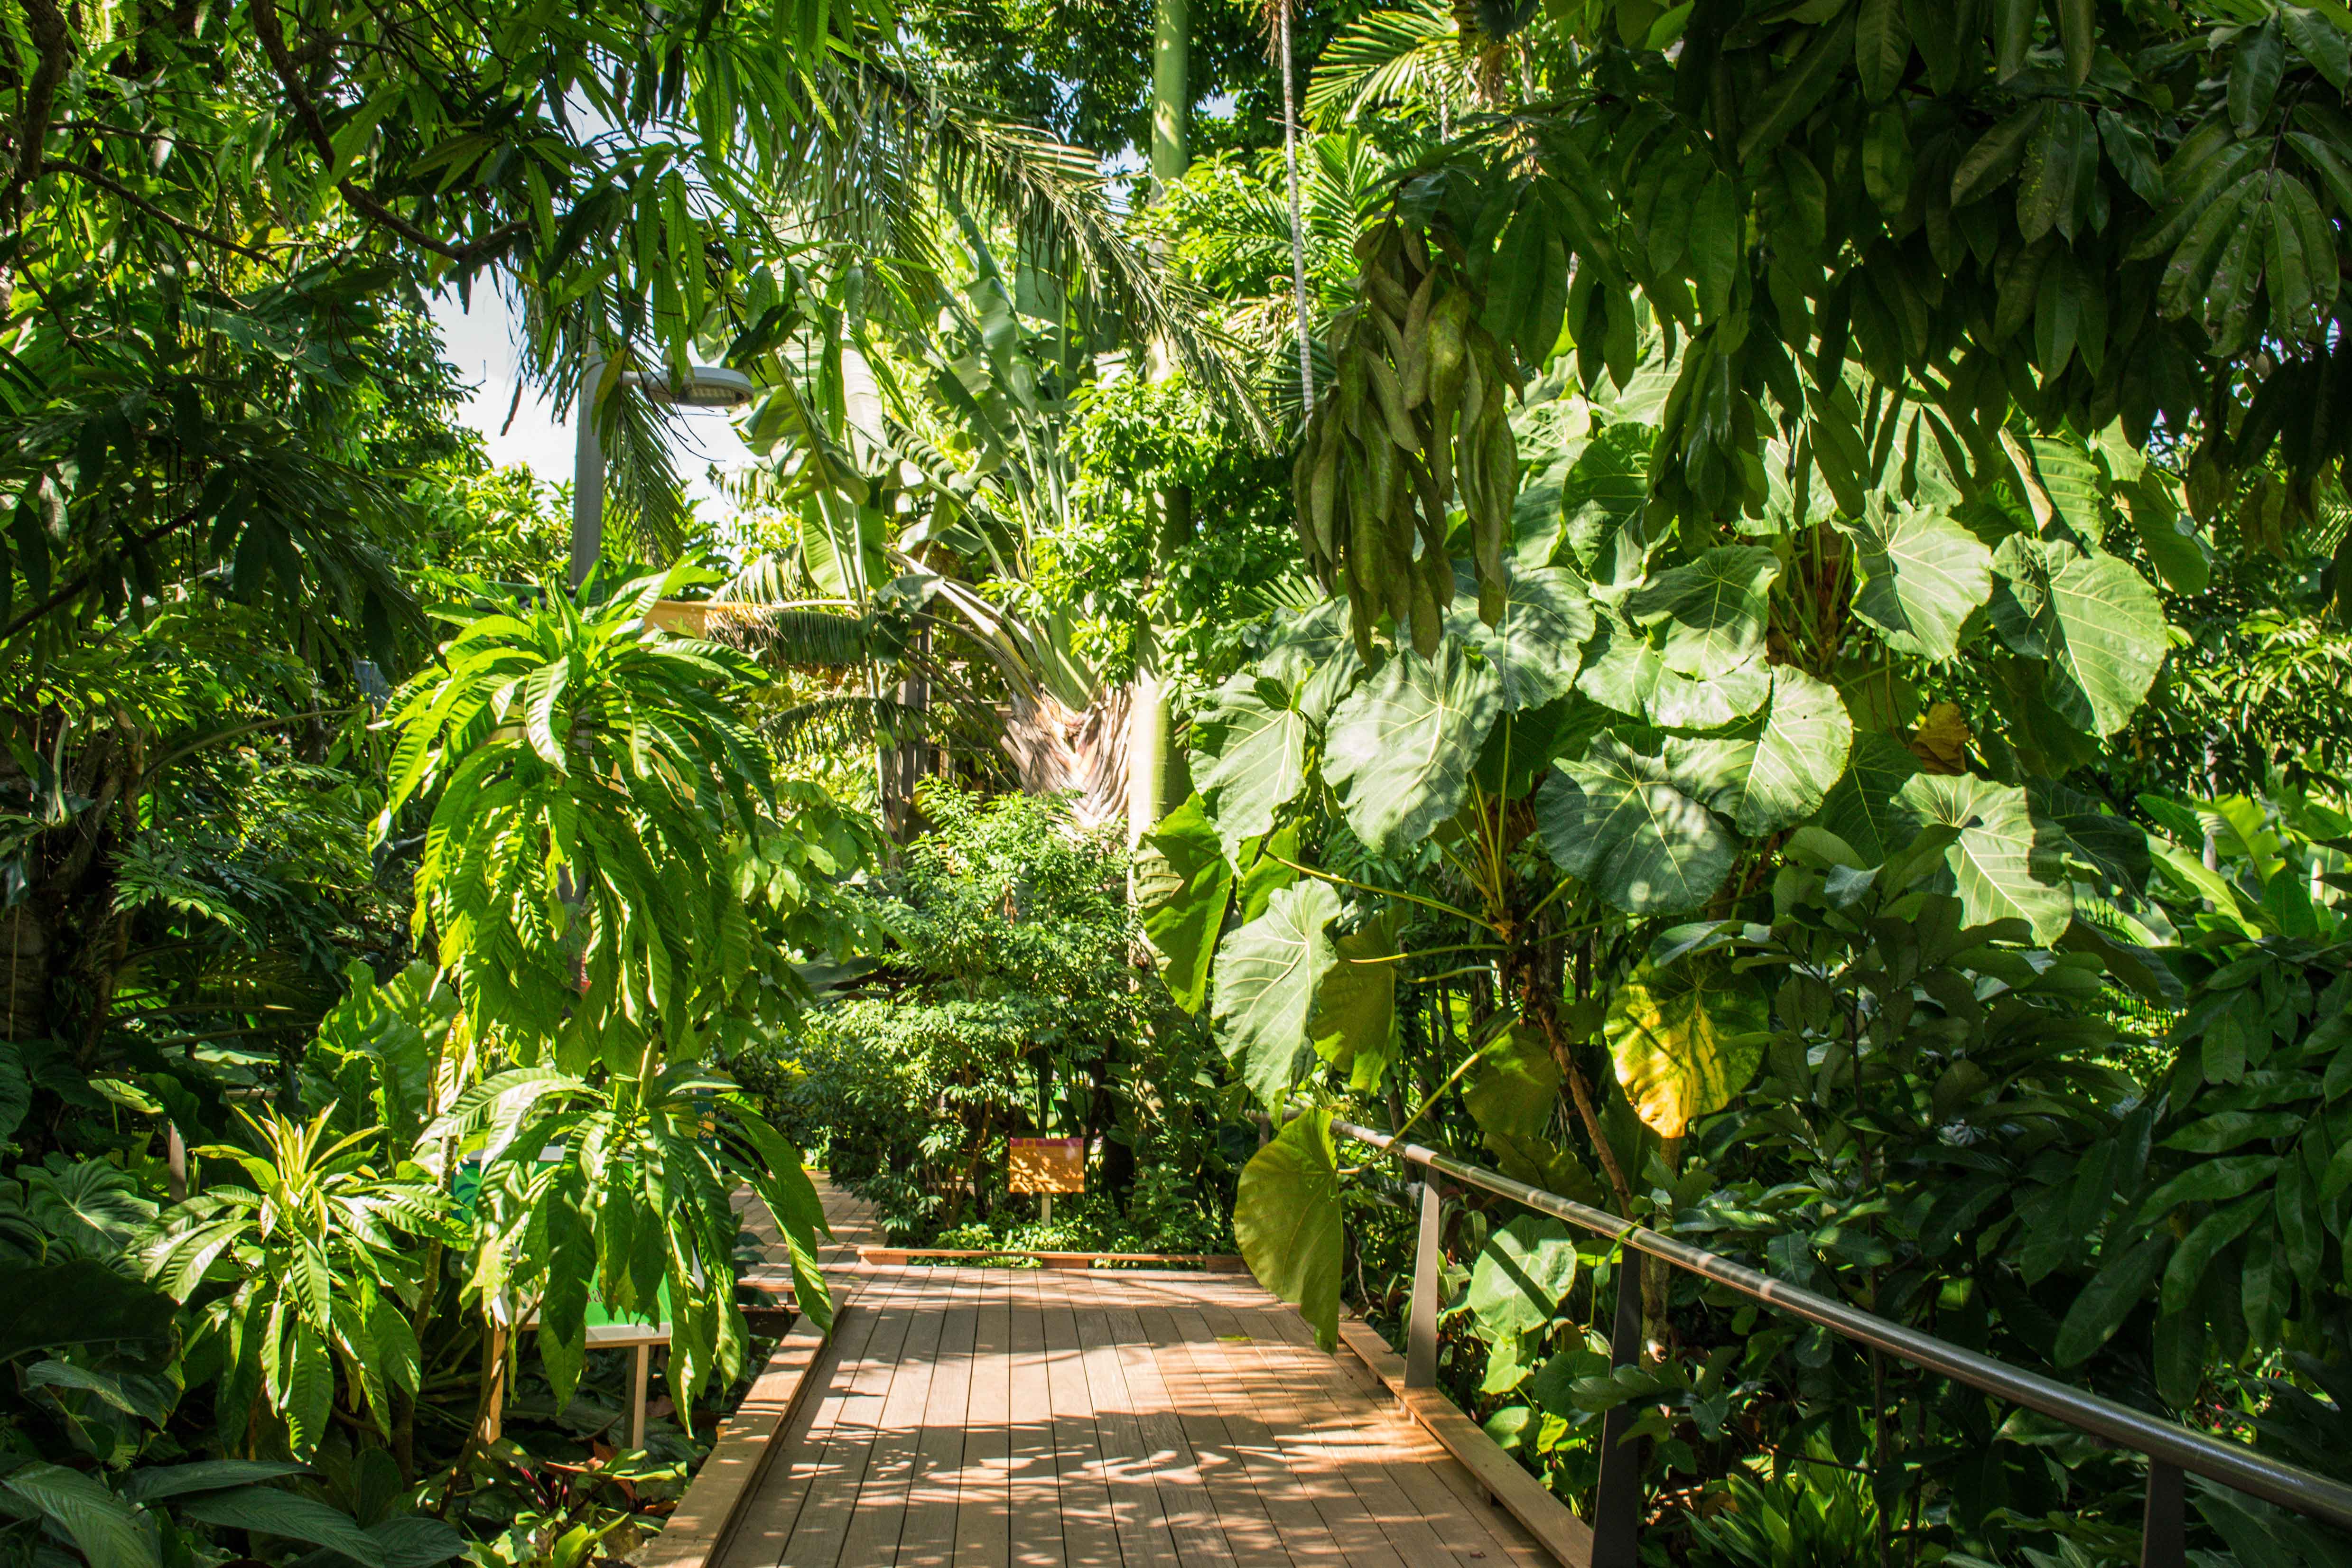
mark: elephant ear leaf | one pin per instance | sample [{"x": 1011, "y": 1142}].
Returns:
[
  {"x": 1685, "y": 1039},
  {"x": 1249, "y": 753},
  {"x": 1515, "y": 1087},
  {"x": 1621, "y": 823},
  {"x": 1269, "y": 972},
  {"x": 1538, "y": 647},
  {"x": 1521, "y": 1276},
  {"x": 1183, "y": 887},
  {"x": 1401, "y": 745},
  {"x": 1918, "y": 575},
  {"x": 1775, "y": 771},
  {"x": 1286, "y": 1221},
  {"x": 2001, "y": 853},
  {"x": 1713, "y": 608},
  {"x": 1354, "y": 1024}
]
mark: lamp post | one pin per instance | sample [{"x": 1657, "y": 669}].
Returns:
[{"x": 704, "y": 386}]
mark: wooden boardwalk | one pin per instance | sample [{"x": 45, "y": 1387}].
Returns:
[{"x": 1003, "y": 1416}]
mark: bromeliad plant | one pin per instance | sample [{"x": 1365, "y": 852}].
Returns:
[{"x": 591, "y": 793}]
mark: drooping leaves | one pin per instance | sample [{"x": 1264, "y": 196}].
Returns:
[
  {"x": 1288, "y": 1223},
  {"x": 1269, "y": 972},
  {"x": 1182, "y": 895}
]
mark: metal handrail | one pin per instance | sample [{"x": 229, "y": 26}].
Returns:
[{"x": 2172, "y": 1448}]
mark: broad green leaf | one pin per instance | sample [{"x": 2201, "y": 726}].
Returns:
[
  {"x": 1917, "y": 576},
  {"x": 297, "y": 1518},
  {"x": 2104, "y": 628},
  {"x": 1249, "y": 759},
  {"x": 1521, "y": 1275},
  {"x": 1776, "y": 773},
  {"x": 1882, "y": 46},
  {"x": 80, "y": 1303},
  {"x": 1401, "y": 746},
  {"x": 1617, "y": 819},
  {"x": 2113, "y": 1294},
  {"x": 1354, "y": 1024},
  {"x": 1713, "y": 608},
  {"x": 109, "y": 1533},
  {"x": 1181, "y": 892},
  {"x": 1267, "y": 974},
  {"x": 1865, "y": 808},
  {"x": 1538, "y": 647},
  {"x": 150, "y": 1482},
  {"x": 1999, "y": 859},
  {"x": 1684, "y": 702},
  {"x": 1601, "y": 505},
  {"x": 1515, "y": 1087},
  {"x": 1685, "y": 1039},
  {"x": 2186, "y": 1270},
  {"x": 1288, "y": 1223},
  {"x": 2168, "y": 533}
]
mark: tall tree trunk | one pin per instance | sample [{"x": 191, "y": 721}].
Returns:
[
  {"x": 1150, "y": 748},
  {"x": 1297, "y": 216}
]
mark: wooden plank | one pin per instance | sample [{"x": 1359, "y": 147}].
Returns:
[
  {"x": 700, "y": 1528},
  {"x": 1381, "y": 1455},
  {"x": 1207, "y": 1262},
  {"x": 1223, "y": 1441},
  {"x": 767, "y": 1519},
  {"x": 984, "y": 1492},
  {"x": 929, "y": 1539},
  {"x": 1192, "y": 1513},
  {"x": 1244, "y": 1381},
  {"x": 1130, "y": 1469},
  {"x": 848, "y": 1439},
  {"x": 1035, "y": 1478},
  {"x": 1089, "y": 1536},
  {"x": 880, "y": 1517},
  {"x": 1550, "y": 1521}
]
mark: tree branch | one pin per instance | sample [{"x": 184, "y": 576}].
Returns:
[
  {"x": 193, "y": 231},
  {"x": 47, "y": 25},
  {"x": 288, "y": 72}
]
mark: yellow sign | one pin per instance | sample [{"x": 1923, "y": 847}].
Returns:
[{"x": 1049, "y": 1164}]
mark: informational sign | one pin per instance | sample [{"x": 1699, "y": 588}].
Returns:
[{"x": 1049, "y": 1164}]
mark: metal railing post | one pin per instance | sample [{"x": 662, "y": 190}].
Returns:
[
  {"x": 1617, "y": 1502},
  {"x": 2163, "y": 1523},
  {"x": 1420, "y": 1334}
]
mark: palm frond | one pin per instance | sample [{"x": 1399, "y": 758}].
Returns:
[
  {"x": 1409, "y": 56},
  {"x": 841, "y": 725},
  {"x": 910, "y": 131},
  {"x": 793, "y": 637}
]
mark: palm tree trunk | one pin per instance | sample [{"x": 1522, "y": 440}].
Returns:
[{"x": 1297, "y": 219}]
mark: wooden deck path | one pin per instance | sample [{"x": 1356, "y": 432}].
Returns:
[{"x": 975, "y": 1416}]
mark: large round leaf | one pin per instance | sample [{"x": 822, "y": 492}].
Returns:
[
  {"x": 1249, "y": 759},
  {"x": 1182, "y": 890},
  {"x": 2004, "y": 868},
  {"x": 2096, "y": 622},
  {"x": 1354, "y": 1024},
  {"x": 1521, "y": 1274},
  {"x": 1777, "y": 776},
  {"x": 1267, "y": 973},
  {"x": 1402, "y": 745},
  {"x": 1917, "y": 576},
  {"x": 1538, "y": 645},
  {"x": 1286, "y": 1221},
  {"x": 1864, "y": 808},
  {"x": 1619, "y": 822},
  {"x": 1685, "y": 1039},
  {"x": 1684, "y": 702},
  {"x": 1713, "y": 607}
]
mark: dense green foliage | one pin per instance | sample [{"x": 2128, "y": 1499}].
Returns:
[
  {"x": 1008, "y": 1004},
  {"x": 1778, "y": 670}
]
